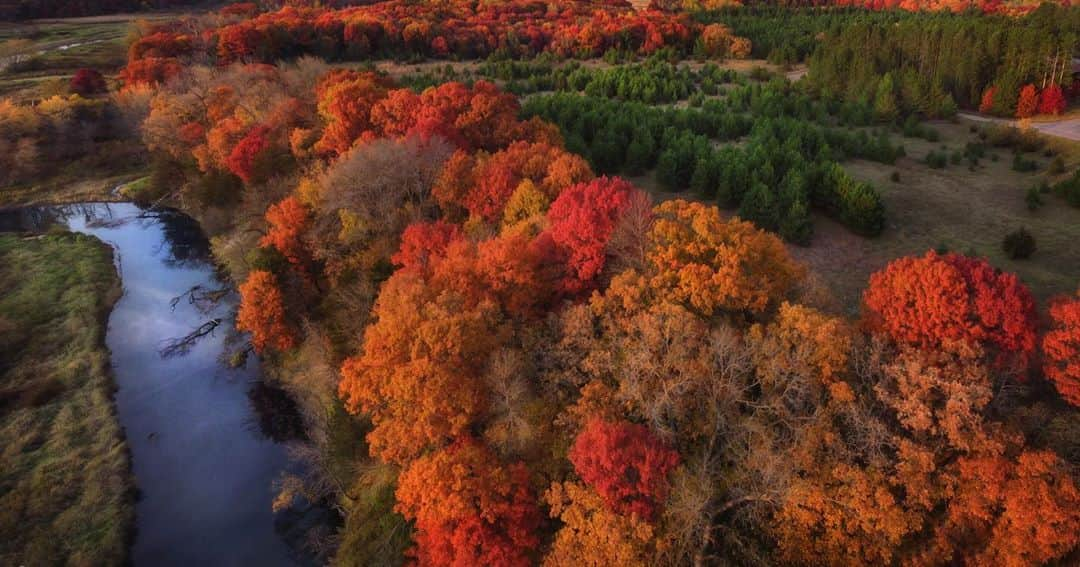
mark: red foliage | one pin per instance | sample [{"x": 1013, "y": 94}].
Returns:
[
  {"x": 1028, "y": 102},
  {"x": 483, "y": 184},
  {"x": 422, "y": 242},
  {"x": 626, "y": 465},
  {"x": 582, "y": 220},
  {"x": 1061, "y": 348},
  {"x": 1052, "y": 100},
  {"x": 987, "y": 102},
  {"x": 87, "y": 82},
  {"x": 936, "y": 301},
  {"x": 150, "y": 71},
  {"x": 262, "y": 313},
  {"x": 247, "y": 154},
  {"x": 288, "y": 220},
  {"x": 469, "y": 508}
]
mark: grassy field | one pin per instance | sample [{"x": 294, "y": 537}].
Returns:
[
  {"x": 956, "y": 209},
  {"x": 66, "y": 488},
  {"x": 38, "y": 59}
]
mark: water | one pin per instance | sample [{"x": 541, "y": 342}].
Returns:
[{"x": 204, "y": 466}]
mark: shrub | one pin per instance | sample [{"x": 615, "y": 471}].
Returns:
[
  {"x": 1033, "y": 198},
  {"x": 1023, "y": 165},
  {"x": 1019, "y": 244},
  {"x": 936, "y": 160},
  {"x": 895, "y": 177}
]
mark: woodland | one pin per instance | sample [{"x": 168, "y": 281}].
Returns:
[{"x": 538, "y": 296}]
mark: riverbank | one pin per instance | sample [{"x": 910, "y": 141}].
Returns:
[{"x": 65, "y": 473}]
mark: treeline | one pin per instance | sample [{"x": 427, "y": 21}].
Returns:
[
  {"x": 34, "y": 139},
  {"x": 930, "y": 62},
  {"x": 31, "y": 9},
  {"x": 785, "y": 163}
]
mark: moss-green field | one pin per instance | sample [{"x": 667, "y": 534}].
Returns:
[{"x": 66, "y": 487}]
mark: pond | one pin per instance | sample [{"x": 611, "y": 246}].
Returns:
[{"x": 205, "y": 452}]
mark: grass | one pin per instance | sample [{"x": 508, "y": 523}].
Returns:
[
  {"x": 66, "y": 487},
  {"x": 955, "y": 209},
  {"x": 46, "y": 55}
]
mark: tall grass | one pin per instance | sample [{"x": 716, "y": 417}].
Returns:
[{"x": 66, "y": 488}]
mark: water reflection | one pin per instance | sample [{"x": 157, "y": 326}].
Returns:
[{"x": 205, "y": 475}]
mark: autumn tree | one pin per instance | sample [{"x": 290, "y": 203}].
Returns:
[
  {"x": 288, "y": 219},
  {"x": 592, "y": 534},
  {"x": 262, "y": 313},
  {"x": 345, "y": 99},
  {"x": 1052, "y": 100},
  {"x": 937, "y": 301},
  {"x": 1028, "y": 103},
  {"x": 469, "y": 508},
  {"x": 715, "y": 266},
  {"x": 1061, "y": 349},
  {"x": 626, "y": 465},
  {"x": 419, "y": 375},
  {"x": 582, "y": 220},
  {"x": 986, "y": 103},
  {"x": 88, "y": 82}
]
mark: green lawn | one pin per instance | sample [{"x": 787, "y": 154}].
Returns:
[{"x": 66, "y": 487}]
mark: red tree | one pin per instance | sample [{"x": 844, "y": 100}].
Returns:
[
  {"x": 422, "y": 242},
  {"x": 626, "y": 464},
  {"x": 1052, "y": 100},
  {"x": 987, "y": 102},
  {"x": 262, "y": 313},
  {"x": 87, "y": 82},
  {"x": 935, "y": 301},
  {"x": 469, "y": 508},
  {"x": 1028, "y": 103},
  {"x": 582, "y": 220},
  {"x": 250, "y": 154},
  {"x": 1061, "y": 347}
]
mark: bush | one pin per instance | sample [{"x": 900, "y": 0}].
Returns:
[
  {"x": 1033, "y": 198},
  {"x": 895, "y": 177},
  {"x": 1019, "y": 244},
  {"x": 936, "y": 160},
  {"x": 1023, "y": 165}
]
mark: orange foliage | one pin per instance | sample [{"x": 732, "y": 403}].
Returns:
[
  {"x": 939, "y": 301},
  {"x": 262, "y": 313},
  {"x": 592, "y": 534},
  {"x": 714, "y": 266},
  {"x": 419, "y": 375},
  {"x": 1028, "y": 103},
  {"x": 345, "y": 99},
  {"x": 288, "y": 219},
  {"x": 469, "y": 508},
  {"x": 1061, "y": 349}
]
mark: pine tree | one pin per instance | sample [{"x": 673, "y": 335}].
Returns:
[
  {"x": 885, "y": 106},
  {"x": 759, "y": 207}
]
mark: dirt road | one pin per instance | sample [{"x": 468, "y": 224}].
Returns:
[{"x": 1068, "y": 128}]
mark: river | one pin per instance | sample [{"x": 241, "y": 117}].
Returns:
[{"x": 205, "y": 453}]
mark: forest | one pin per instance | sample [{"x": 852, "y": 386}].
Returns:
[{"x": 535, "y": 274}]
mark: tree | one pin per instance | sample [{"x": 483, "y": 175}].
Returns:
[
  {"x": 288, "y": 219},
  {"x": 248, "y": 158},
  {"x": 626, "y": 465},
  {"x": 885, "y": 105},
  {"x": 986, "y": 104},
  {"x": 715, "y": 266},
  {"x": 1052, "y": 100},
  {"x": 1028, "y": 103},
  {"x": 421, "y": 243},
  {"x": 956, "y": 299},
  {"x": 582, "y": 220},
  {"x": 262, "y": 313},
  {"x": 88, "y": 82},
  {"x": 1061, "y": 348},
  {"x": 759, "y": 207},
  {"x": 419, "y": 375},
  {"x": 593, "y": 535},
  {"x": 345, "y": 99},
  {"x": 469, "y": 508}
]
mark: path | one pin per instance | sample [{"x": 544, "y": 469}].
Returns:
[{"x": 1068, "y": 128}]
